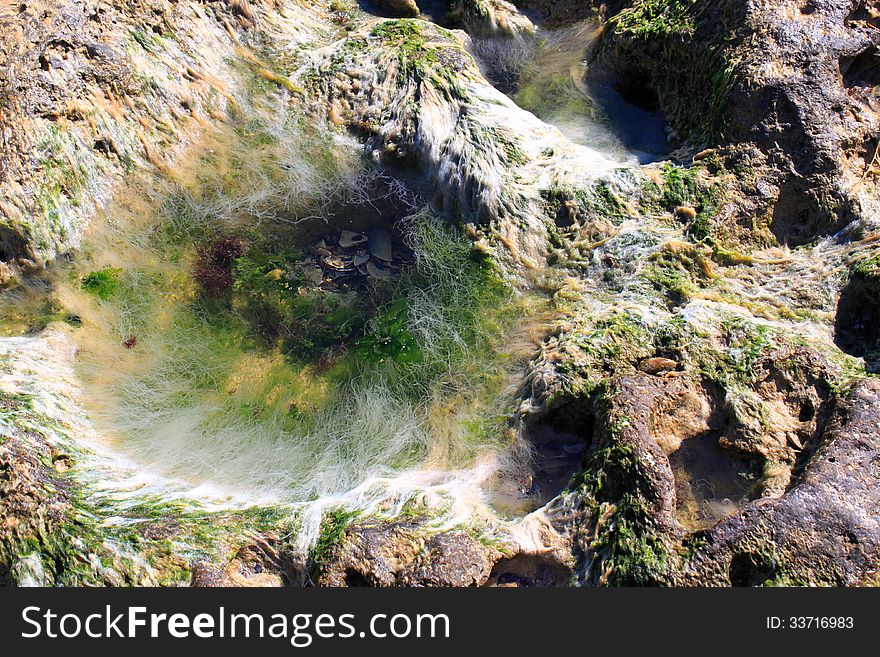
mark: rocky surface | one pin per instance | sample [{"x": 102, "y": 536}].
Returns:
[
  {"x": 784, "y": 87},
  {"x": 419, "y": 101},
  {"x": 92, "y": 91},
  {"x": 715, "y": 377}
]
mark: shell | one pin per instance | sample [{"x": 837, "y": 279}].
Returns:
[{"x": 349, "y": 239}]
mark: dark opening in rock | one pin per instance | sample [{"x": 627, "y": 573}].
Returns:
[
  {"x": 525, "y": 570},
  {"x": 556, "y": 444},
  {"x": 857, "y": 325},
  {"x": 867, "y": 12},
  {"x": 12, "y": 245},
  {"x": 749, "y": 569},
  {"x": 631, "y": 107},
  {"x": 356, "y": 579},
  {"x": 795, "y": 219},
  {"x": 637, "y": 92},
  {"x": 434, "y": 10},
  {"x": 862, "y": 70}
]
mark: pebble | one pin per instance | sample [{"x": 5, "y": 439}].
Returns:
[{"x": 658, "y": 365}]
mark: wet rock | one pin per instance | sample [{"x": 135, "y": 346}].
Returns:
[
  {"x": 788, "y": 91},
  {"x": 824, "y": 530},
  {"x": 715, "y": 498},
  {"x": 490, "y": 17},
  {"x": 338, "y": 264},
  {"x": 7, "y": 274},
  {"x": 403, "y": 8},
  {"x": 379, "y": 273},
  {"x": 476, "y": 168},
  {"x": 266, "y": 561},
  {"x": 105, "y": 87},
  {"x": 405, "y": 554},
  {"x": 658, "y": 365}
]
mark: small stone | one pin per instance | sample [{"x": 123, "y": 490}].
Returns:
[
  {"x": 685, "y": 213},
  {"x": 6, "y": 274},
  {"x": 657, "y": 366},
  {"x": 400, "y": 8},
  {"x": 338, "y": 264}
]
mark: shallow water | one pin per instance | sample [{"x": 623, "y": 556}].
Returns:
[
  {"x": 549, "y": 77},
  {"x": 202, "y": 399},
  {"x": 189, "y": 389}
]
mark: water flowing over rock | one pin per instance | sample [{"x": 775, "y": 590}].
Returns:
[{"x": 292, "y": 287}]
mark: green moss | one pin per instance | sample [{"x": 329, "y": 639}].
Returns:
[
  {"x": 391, "y": 339},
  {"x": 103, "y": 283},
  {"x": 410, "y": 39},
  {"x": 685, "y": 187},
  {"x": 679, "y": 272},
  {"x": 330, "y": 535},
  {"x": 655, "y": 19},
  {"x": 611, "y": 344},
  {"x": 627, "y": 543},
  {"x": 748, "y": 342}
]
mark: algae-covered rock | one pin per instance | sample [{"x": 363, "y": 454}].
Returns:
[
  {"x": 418, "y": 100},
  {"x": 793, "y": 81},
  {"x": 403, "y": 554},
  {"x": 706, "y": 381}
]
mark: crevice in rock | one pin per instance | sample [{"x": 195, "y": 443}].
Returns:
[
  {"x": 528, "y": 570},
  {"x": 710, "y": 482},
  {"x": 795, "y": 219},
  {"x": 13, "y": 245},
  {"x": 861, "y": 70},
  {"x": 867, "y": 12},
  {"x": 356, "y": 579},
  {"x": 857, "y": 324},
  {"x": 751, "y": 569},
  {"x": 555, "y": 444},
  {"x": 558, "y": 443}
]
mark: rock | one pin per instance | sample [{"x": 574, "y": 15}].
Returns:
[
  {"x": 658, "y": 365},
  {"x": 407, "y": 554},
  {"x": 685, "y": 213},
  {"x": 490, "y": 17},
  {"x": 380, "y": 244},
  {"x": 379, "y": 273},
  {"x": 338, "y": 264},
  {"x": 403, "y": 8},
  {"x": 7, "y": 274},
  {"x": 793, "y": 104},
  {"x": 459, "y": 168},
  {"x": 810, "y": 453},
  {"x": 824, "y": 530}
]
